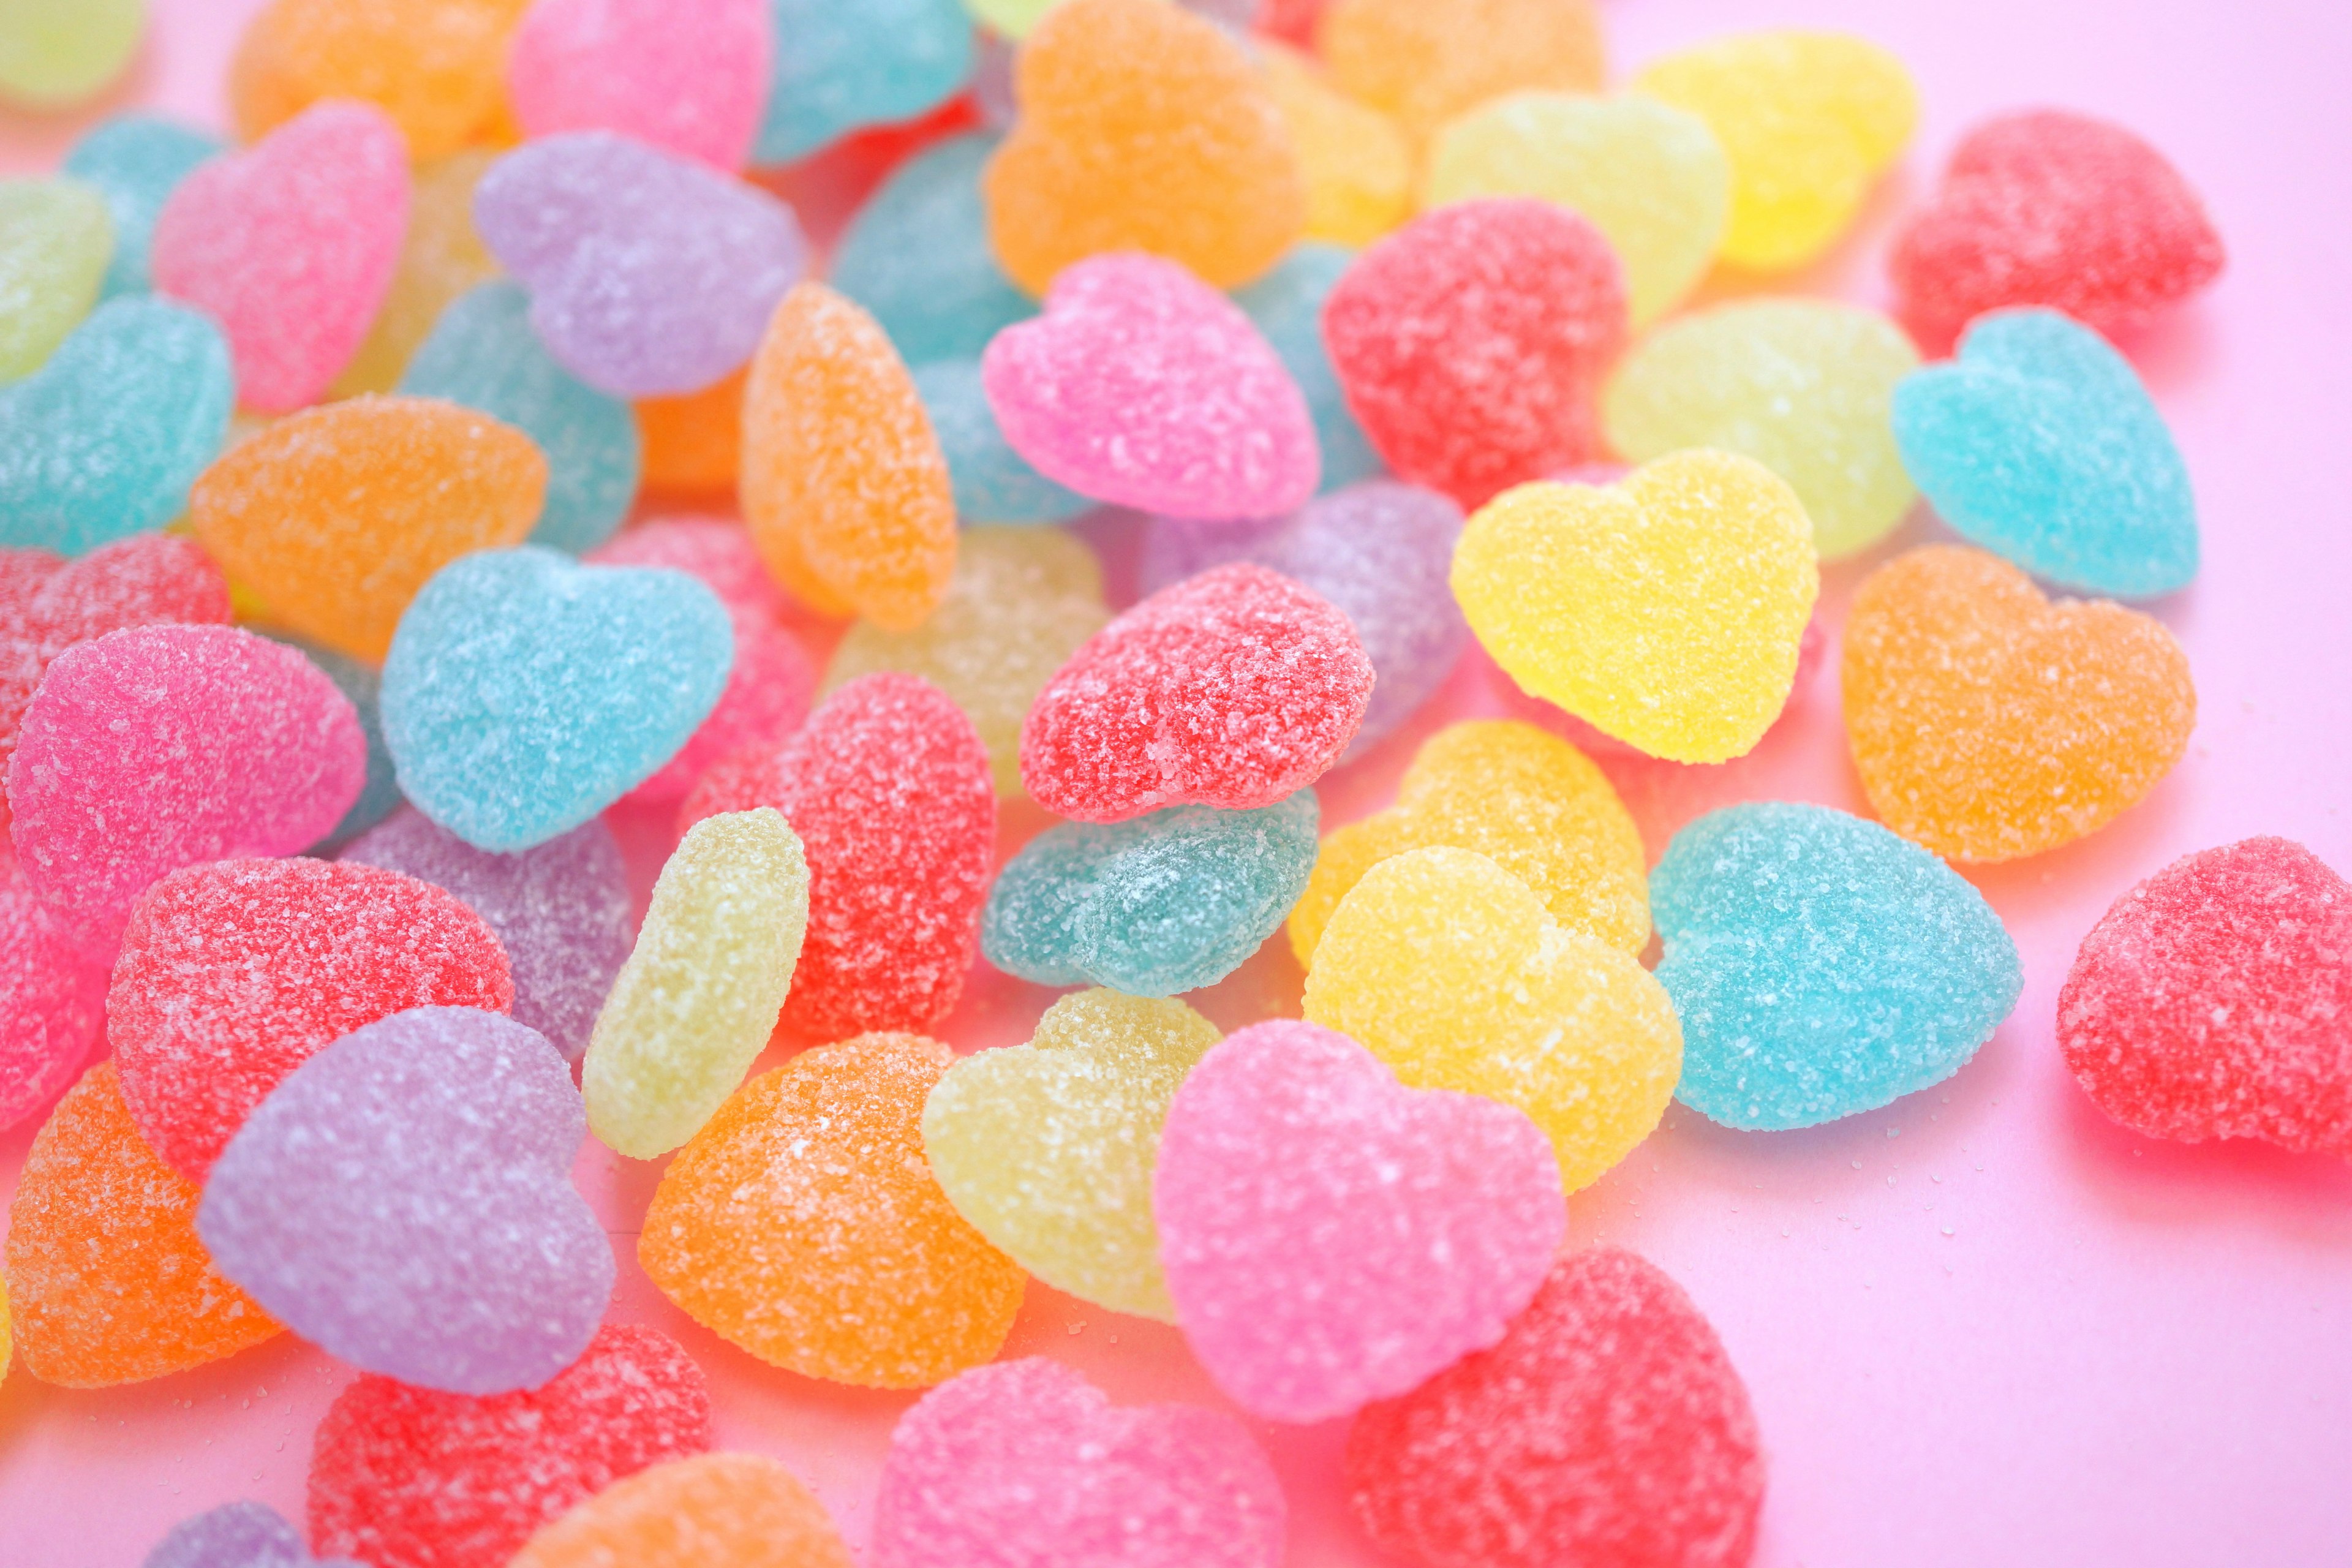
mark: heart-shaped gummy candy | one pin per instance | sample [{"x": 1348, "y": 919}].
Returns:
[
  {"x": 52, "y": 1005},
  {"x": 689, "y": 77},
  {"x": 56, "y": 237},
  {"x": 713, "y": 1509},
  {"x": 237, "y": 1535}
]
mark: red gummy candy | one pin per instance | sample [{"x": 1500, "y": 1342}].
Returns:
[
  {"x": 1608, "y": 1430},
  {"x": 2214, "y": 1000},
  {"x": 233, "y": 974},
  {"x": 1232, "y": 689},
  {"x": 889, "y": 787},
  {"x": 52, "y": 1003},
  {"x": 411, "y": 1477},
  {"x": 1470, "y": 343},
  {"x": 2051, "y": 208}
]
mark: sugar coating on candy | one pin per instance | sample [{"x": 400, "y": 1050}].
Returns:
[
  {"x": 694, "y": 440},
  {"x": 917, "y": 256},
  {"x": 714, "y": 1510},
  {"x": 1353, "y": 158},
  {"x": 361, "y": 685},
  {"x": 290, "y": 247},
  {"x": 1526, "y": 800},
  {"x": 718, "y": 551},
  {"x": 843, "y": 485},
  {"x": 440, "y": 258},
  {"x": 432, "y": 65},
  {"x": 802, "y": 1223},
  {"x": 1028, "y": 1462},
  {"x": 1330, "y": 1236},
  {"x": 769, "y": 688},
  {"x": 690, "y": 79},
  {"x": 1144, "y": 128},
  {"x": 1425, "y": 62},
  {"x": 216, "y": 741},
  {"x": 1472, "y": 340},
  {"x": 237, "y": 1535},
  {"x": 887, "y": 787},
  {"x": 993, "y": 482},
  {"x": 1624, "y": 1431},
  {"x": 55, "y": 52},
  {"x": 56, "y": 239},
  {"x": 1287, "y": 306},
  {"x": 560, "y": 911},
  {"x": 1821, "y": 965},
  {"x": 841, "y": 68},
  {"x": 107, "y": 1280},
  {"x": 1452, "y": 972},
  {"x": 2041, "y": 444},
  {"x": 1989, "y": 723},
  {"x": 52, "y": 1006},
  {"x": 2209, "y": 1002},
  {"x": 135, "y": 161},
  {"x": 2049, "y": 208},
  {"x": 1233, "y": 689}
]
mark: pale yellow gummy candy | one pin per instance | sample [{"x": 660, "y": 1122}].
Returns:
[
  {"x": 440, "y": 260},
  {"x": 697, "y": 999},
  {"x": 1014, "y": 18},
  {"x": 1447, "y": 968},
  {"x": 56, "y": 238},
  {"x": 57, "y": 52},
  {"x": 1357, "y": 169}
]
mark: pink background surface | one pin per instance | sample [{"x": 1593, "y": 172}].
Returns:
[{"x": 1984, "y": 1325}]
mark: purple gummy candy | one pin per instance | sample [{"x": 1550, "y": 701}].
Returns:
[
  {"x": 649, "y": 274},
  {"x": 403, "y": 1200},
  {"x": 238, "y": 1535},
  {"x": 559, "y": 909}
]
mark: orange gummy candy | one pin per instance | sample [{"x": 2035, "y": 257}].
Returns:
[
  {"x": 714, "y": 1510},
  {"x": 802, "y": 1223},
  {"x": 1425, "y": 62},
  {"x": 436, "y": 66},
  {"x": 106, "y": 1279},
  {"x": 694, "y": 441}
]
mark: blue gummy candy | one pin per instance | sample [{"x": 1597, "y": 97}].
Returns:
[
  {"x": 526, "y": 692},
  {"x": 1168, "y": 902},
  {"x": 483, "y": 353},
  {"x": 136, "y": 161},
  {"x": 2040, "y": 443},
  {"x": 361, "y": 685},
  {"x": 1288, "y": 306},
  {"x": 993, "y": 483},
  {"x": 1820, "y": 964},
  {"x": 103, "y": 441},
  {"x": 917, "y": 257},
  {"x": 840, "y": 68}
]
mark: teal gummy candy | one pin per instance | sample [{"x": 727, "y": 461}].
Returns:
[
  {"x": 104, "y": 439},
  {"x": 136, "y": 161},
  {"x": 361, "y": 685},
  {"x": 1288, "y": 306},
  {"x": 917, "y": 257},
  {"x": 484, "y": 352},
  {"x": 993, "y": 483},
  {"x": 2039, "y": 443},
  {"x": 1820, "y": 964},
  {"x": 1163, "y": 903},
  {"x": 840, "y": 68}
]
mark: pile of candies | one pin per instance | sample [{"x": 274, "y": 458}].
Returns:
[{"x": 337, "y": 634}]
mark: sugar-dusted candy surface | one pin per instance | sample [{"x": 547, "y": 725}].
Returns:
[
  {"x": 1821, "y": 965},
  {"x": 2051, "y": 207},
  {"x": 361, "y": 685},
  {"x": 258, "y": 754},
  {"x": 525, "y": 692},
  {"x": 1142, "y": 127},
  {"x": 440, "y": 258},
  {"x": 1425, "y": 62},
  {"x": 887, "y": 787},
  {"x": 694, "y": 441},
  {"x": 2040, "y": 443},
  {"x": 2209, "y": 1001},
  {"x": 57, "y": 52},
  {"x": 844, "y": 484},
  {"x": 1233, "y": 689},
  {"x": 1287, "y": 306},
  {"x": 1809, "y": 121},
  {"x": 1452, "y": 972},
  {"x": 237, "y": 1535},
  {"x": 1353, "y": 158},
  {"x": 689, "y": 77},
  {"x": 1665, "y": 610},
  {"x": 1028, "y": 1462},
  {"x": 434, "y": 66},
  {"x": 769, "y": 688},
  {"x": 56, "y": 238},
  {"x": 560, "y": 912},
  {"x": 135, "y": 161},
  {"x": 1331, "y": 1236},
  {"x": 1047, "y": 1147},
  {"x": 1624, "y": 1428},
  {"x": 290, "y": 247},
  {"x": 992, "y": 483},
  {"x": 717, "y": 550},
  {"x": 107, "y": 1281},
  {"x": 52, "y": 1006},
  {"x": 649, "y": 274},
  {"x": 1471, "y": 343},
  {"x": 698, "y": 997},
  {"x": 1989, "y": 723},
  {"x": 917, "y": 256},
  {"x": 714, "y": 1510},
  {"x": 841, "y": 68},
  {"x": 1803, "y": 386},
  {"x": 412, "y": 1478},
  {"x": 1526, "y": 800},
  {"x": 802, "y": 1224}
]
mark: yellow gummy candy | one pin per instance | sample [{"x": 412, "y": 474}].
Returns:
[
  {"x": 440, "y": 260},
  {"x": 56, "y": 238},
  {"x": 1526, "y": 800},
  {"x": 1357, "y": 169},
  {"x": 1447, "y": 968},
  {"x": 1048, "y": 1148},
  {"x": 1665, "y": 610},
  {"x": 1014, "y": 18},
  {"x": 1808, "y": 118},
  {"x": 58, "y": 52},
  {"x": 698, "y": 997}
]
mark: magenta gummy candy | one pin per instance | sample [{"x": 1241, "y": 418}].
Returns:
[
  {"x": 52, "y": 1005},
  {"x": 689, "y": 77}
]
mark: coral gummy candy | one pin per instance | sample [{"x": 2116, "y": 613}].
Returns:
[
  {"x": 431, "y": 65},
  {"x": 1425, "y": 62},
  {"x": 714, "y": 1510}
]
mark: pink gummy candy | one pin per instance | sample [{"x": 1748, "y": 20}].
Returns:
[
  {"x": 1233, "y": 689},
  {"x": 1331, "y": 1236},
  {"x": 689, "y": 77},
  {"x": 1142, "y": 385},
  {"x": 718, "y": 552},
  {"x": 52, "y": 1005}
]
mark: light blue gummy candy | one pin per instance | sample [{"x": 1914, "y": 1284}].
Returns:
[
  {"x": 1288, "y": 306},
  {"x": 917, "y": 257},
  {"x": 1163, "y": 903},
  {"x": 361, "y": 687},
  {"x": 526, "y": 692},
  {"x": 843, "y": 67},
  {"x": 103, "y": 440},
  {"x": 2040, "y": 443},
  {"x": 136, "y": 161},
  {"x": 483, "y": 353},
  {"x": 993, "y": 483},
  {"x": 1821, "y": 965}
]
